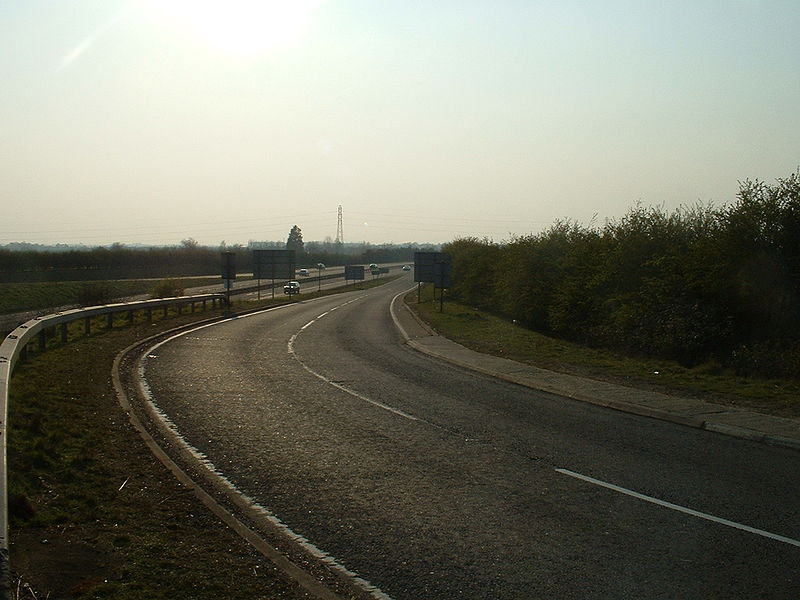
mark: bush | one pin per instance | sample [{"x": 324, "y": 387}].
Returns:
[
  {"x": 695, "y": 285},
  {"x": 92, "y": 294},
  {"x": 168, "y": 288},
  {"x": 778, "y": 359}
]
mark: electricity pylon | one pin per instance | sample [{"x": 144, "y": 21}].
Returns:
[{"x": 339, "y": 231}]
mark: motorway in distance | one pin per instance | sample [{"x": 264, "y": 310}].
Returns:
[
  {"x": 429, "y": 481},
  {"x": 308, "y": 283}
]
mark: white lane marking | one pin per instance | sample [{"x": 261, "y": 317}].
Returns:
[
  {"x": 354, "y": 393},
  {"x": 156, "y": 411},
  {"x": 234, "y": 318},
  {"x": 683, "y": 509},
  {"x": 339, "y": 386}
]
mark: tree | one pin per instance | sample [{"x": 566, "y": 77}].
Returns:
[{"x": 295, "y": 241}]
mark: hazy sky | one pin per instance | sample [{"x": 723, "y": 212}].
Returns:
[{"x": 150, "y": 122}]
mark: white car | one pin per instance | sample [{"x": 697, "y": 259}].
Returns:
[
  {"x": 291, "y": 287},
  {"x": 303, "y": 272},
  {"x": 406, "y": 267}
]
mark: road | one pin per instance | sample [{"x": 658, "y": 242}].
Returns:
[
  {"x": 308, "y": 282},
  {"x": 10, "y": 321},
  {"x": 245, "y": 280},
  {"x": 432, "y": 482}
]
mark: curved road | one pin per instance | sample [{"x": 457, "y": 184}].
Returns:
[{"x": 432, "y": 482}]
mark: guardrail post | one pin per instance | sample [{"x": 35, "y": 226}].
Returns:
[
  {"x": 21, "y": 340},
  {"x": 5, "y": 575},
  {"x": 6, "y": 591}
]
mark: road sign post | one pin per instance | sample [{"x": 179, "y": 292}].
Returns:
[
  {"x": 354, "y": 273},
  {"x": 273, "y": 264},
  {"x": 228, "y": 273},
  {"x": 433, "y": 267}
]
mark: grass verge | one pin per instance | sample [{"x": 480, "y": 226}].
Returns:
[
  {"x": 19, "y": 297},
  {"x": 92, "y": 513},
  {"x": 484, "y": 332}
]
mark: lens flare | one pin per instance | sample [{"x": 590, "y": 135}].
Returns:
[{"x": 240, "y": 28}]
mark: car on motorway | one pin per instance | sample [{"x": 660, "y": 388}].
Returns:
[
  {"x": 406, "y": 267},
  {"x": 321, "y": 266},
  {"x": 303, "y": 272},
  {"x": 291, "y": 287},
  {"x": 373, "y": 266}
]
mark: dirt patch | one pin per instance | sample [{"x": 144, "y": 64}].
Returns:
[{"x": 62, "y": 566}]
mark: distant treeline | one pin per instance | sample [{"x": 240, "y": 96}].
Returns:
[
  {"x": 121, "y": 262},
  {"x": 702, "y": 285}
]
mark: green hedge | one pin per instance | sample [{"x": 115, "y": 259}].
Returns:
[{"x": 695, "y": 285}]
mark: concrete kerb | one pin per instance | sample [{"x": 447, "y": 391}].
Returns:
[
  {"x": 782, "y": 442},
  {"x": 358, "y": 588},
  {"x": 743, "y": 433},
  {"x": 313, "y": 587},
  {"x": 12, "y": 348},
  {"x": 737, "y": 432},
  {"x": 694, "y": 421},
  {"x": 641, "y": 410},
  {"x": 316, "y": 589}
]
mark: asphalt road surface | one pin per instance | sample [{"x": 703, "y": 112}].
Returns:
[{"x": 433, "y": 482}]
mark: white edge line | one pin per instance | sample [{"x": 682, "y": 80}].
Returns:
[
  {"x": 392, "y": 312},
  {"x": 330, "y": 560},
  {"x": 682, "y": 509}
]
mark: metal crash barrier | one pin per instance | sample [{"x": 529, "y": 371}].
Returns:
[{"x": 15, "y": 347}]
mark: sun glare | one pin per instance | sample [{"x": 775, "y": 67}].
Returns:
[{"x": 240, "y": 28}]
